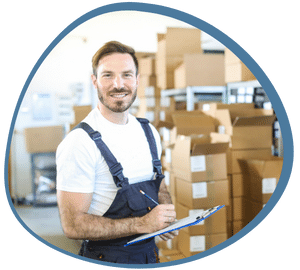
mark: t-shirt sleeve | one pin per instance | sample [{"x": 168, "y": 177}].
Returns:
[{"x": 75, "y": 163}]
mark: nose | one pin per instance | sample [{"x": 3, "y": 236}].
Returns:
[{"x": 118, "y": 82}]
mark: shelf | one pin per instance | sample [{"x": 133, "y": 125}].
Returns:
[{"x": 191, "y": 92}]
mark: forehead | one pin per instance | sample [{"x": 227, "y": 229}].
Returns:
[{"x": 116, "y": 62}]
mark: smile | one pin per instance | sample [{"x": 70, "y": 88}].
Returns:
[{"x": 119, "y": 95}]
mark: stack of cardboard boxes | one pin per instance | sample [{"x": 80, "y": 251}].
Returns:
[
  {"x": 261, "y": 177},
  {"x": 194, "y": 183},
  {"x": 148, "y": 94},
  {"x": 201, "y": 183},
  {"x": 171, "y": 48},
  {"x": 178, "y": 63},
  {"x": 210, "y": 156},
  {"x": 249, "y": 133}
]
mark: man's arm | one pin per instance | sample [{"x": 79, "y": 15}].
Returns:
[{"x": 78, "y": 224}]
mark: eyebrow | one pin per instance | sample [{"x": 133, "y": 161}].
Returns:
[{"x": 109, "y": 71}]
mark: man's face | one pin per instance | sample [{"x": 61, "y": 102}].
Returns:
[{"x": 116, "y": 82}]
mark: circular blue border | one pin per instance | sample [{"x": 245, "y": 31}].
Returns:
[{"x": 233, "y": 46}]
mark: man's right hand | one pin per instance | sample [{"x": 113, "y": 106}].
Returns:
[{"x": 159, "y": 218}]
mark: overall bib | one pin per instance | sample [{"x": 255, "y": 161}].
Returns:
[{"x": 129, "y": 202}]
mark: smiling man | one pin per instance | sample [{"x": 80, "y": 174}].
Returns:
[{"x": 103, "y": 164}]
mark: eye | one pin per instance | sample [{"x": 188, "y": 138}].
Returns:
[
  {"x": 128, "y": 75},
  {"x": 106, "y": 75}
]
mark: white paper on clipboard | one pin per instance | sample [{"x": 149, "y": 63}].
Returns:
[{"x": 179, "y": 224}]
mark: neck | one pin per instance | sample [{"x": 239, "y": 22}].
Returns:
[{"x": 116, "y": 118}]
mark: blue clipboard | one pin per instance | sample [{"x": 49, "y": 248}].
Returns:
[{"x": 179, "y": 224}]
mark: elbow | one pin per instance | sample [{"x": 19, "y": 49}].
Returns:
[{"x": 71, "y": 233}]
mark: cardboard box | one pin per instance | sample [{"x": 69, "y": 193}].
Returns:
[
  {"x": 195, "y": 161},
  {"x": 238, "y": 73},
  {"x": 238, "y": 184},
  {"x": 252, "y": 130},
  {"x": 186, "y": 123},
  {"x": 192, "y": 245},
  {"x": 233, "y": 157},
  {"x": 245, "y": 209},
  {"x": 175, "y": 257},
  {"x": 147, "y": 81},
  {"x": 262, "y": 176},
  {"x": 80, "y": 113},
  {"x": 216, "y": 223},
  {"x": 170, "y": 181},
  {"x": 202, "y": 194},
  {"x": 170, "y": 255},
  {"x": 229, "y": 212},
  {"x": 43, "y": 139},
  {"x": 147, "y": 66},
  {"x": 238, "y": 225},
  {"x": 229, "y": 229},
  {"x": 200, "y": 70},
  {"x": 165, "y": 65},
  {"x": 235, "y": 69},
  {"x": 178, "y": 41},
  {"x": 165, "y": 80}
]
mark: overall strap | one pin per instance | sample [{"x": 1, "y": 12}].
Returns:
[
  {"x": 115, "y": 167},
  {"x": 157, "y": 167}
]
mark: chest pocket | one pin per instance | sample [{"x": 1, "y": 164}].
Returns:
[{"x": 138, "y": 205}]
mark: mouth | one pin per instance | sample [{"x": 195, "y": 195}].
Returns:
[{"x": 119, "y": 95}]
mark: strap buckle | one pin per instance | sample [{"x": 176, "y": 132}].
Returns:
[
  {"x": 157, "y": 166},
  {"x": 95, "y": 135},
  {"x": 117, "y": 171}
]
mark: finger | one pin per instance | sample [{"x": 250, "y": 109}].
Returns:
[
  {"x": 169, "y": 207},
  {"x": 174, "y": 233},
  {"x": 163, "y": 237},
  {"x": 169, "y": 219},
  {"x": 168, "y": 236}
]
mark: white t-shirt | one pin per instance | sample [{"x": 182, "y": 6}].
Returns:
[{"x": 81, "y": 167}]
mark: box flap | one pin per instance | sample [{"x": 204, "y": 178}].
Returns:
[
  {"x": 220, "y": 138},
  {"x": 194, "y": 123},
  {"x": 209, "y": 148},
  {"x": 266, "y": 167},
  {"x": 166, "y": 124},
  {"x": 223, "y": 116},
  {"x": 267, "y": 120}
]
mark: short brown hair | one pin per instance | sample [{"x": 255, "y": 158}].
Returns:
[{"x": 113, "y": 47}]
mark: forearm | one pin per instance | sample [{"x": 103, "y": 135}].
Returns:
[{"x": 93, "y": 227}]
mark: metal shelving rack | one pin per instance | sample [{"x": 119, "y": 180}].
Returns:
[
  {"x": 49, "y": 171},
  {"x": 192, "y": 94},
  {"x": 254, "y": 93}
]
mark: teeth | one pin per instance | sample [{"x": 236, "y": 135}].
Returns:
[{"x": 119, "y": 95}]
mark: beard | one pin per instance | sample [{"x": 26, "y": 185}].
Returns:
[{"x": 117, "y": 106}]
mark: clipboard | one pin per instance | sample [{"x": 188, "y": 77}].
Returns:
[{"x": 179, "y": 224}]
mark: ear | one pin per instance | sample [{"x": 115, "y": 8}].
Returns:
[{"x": 94, "y": 80}]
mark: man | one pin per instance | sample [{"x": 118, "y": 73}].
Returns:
[{"x": 104, "y": 163}]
